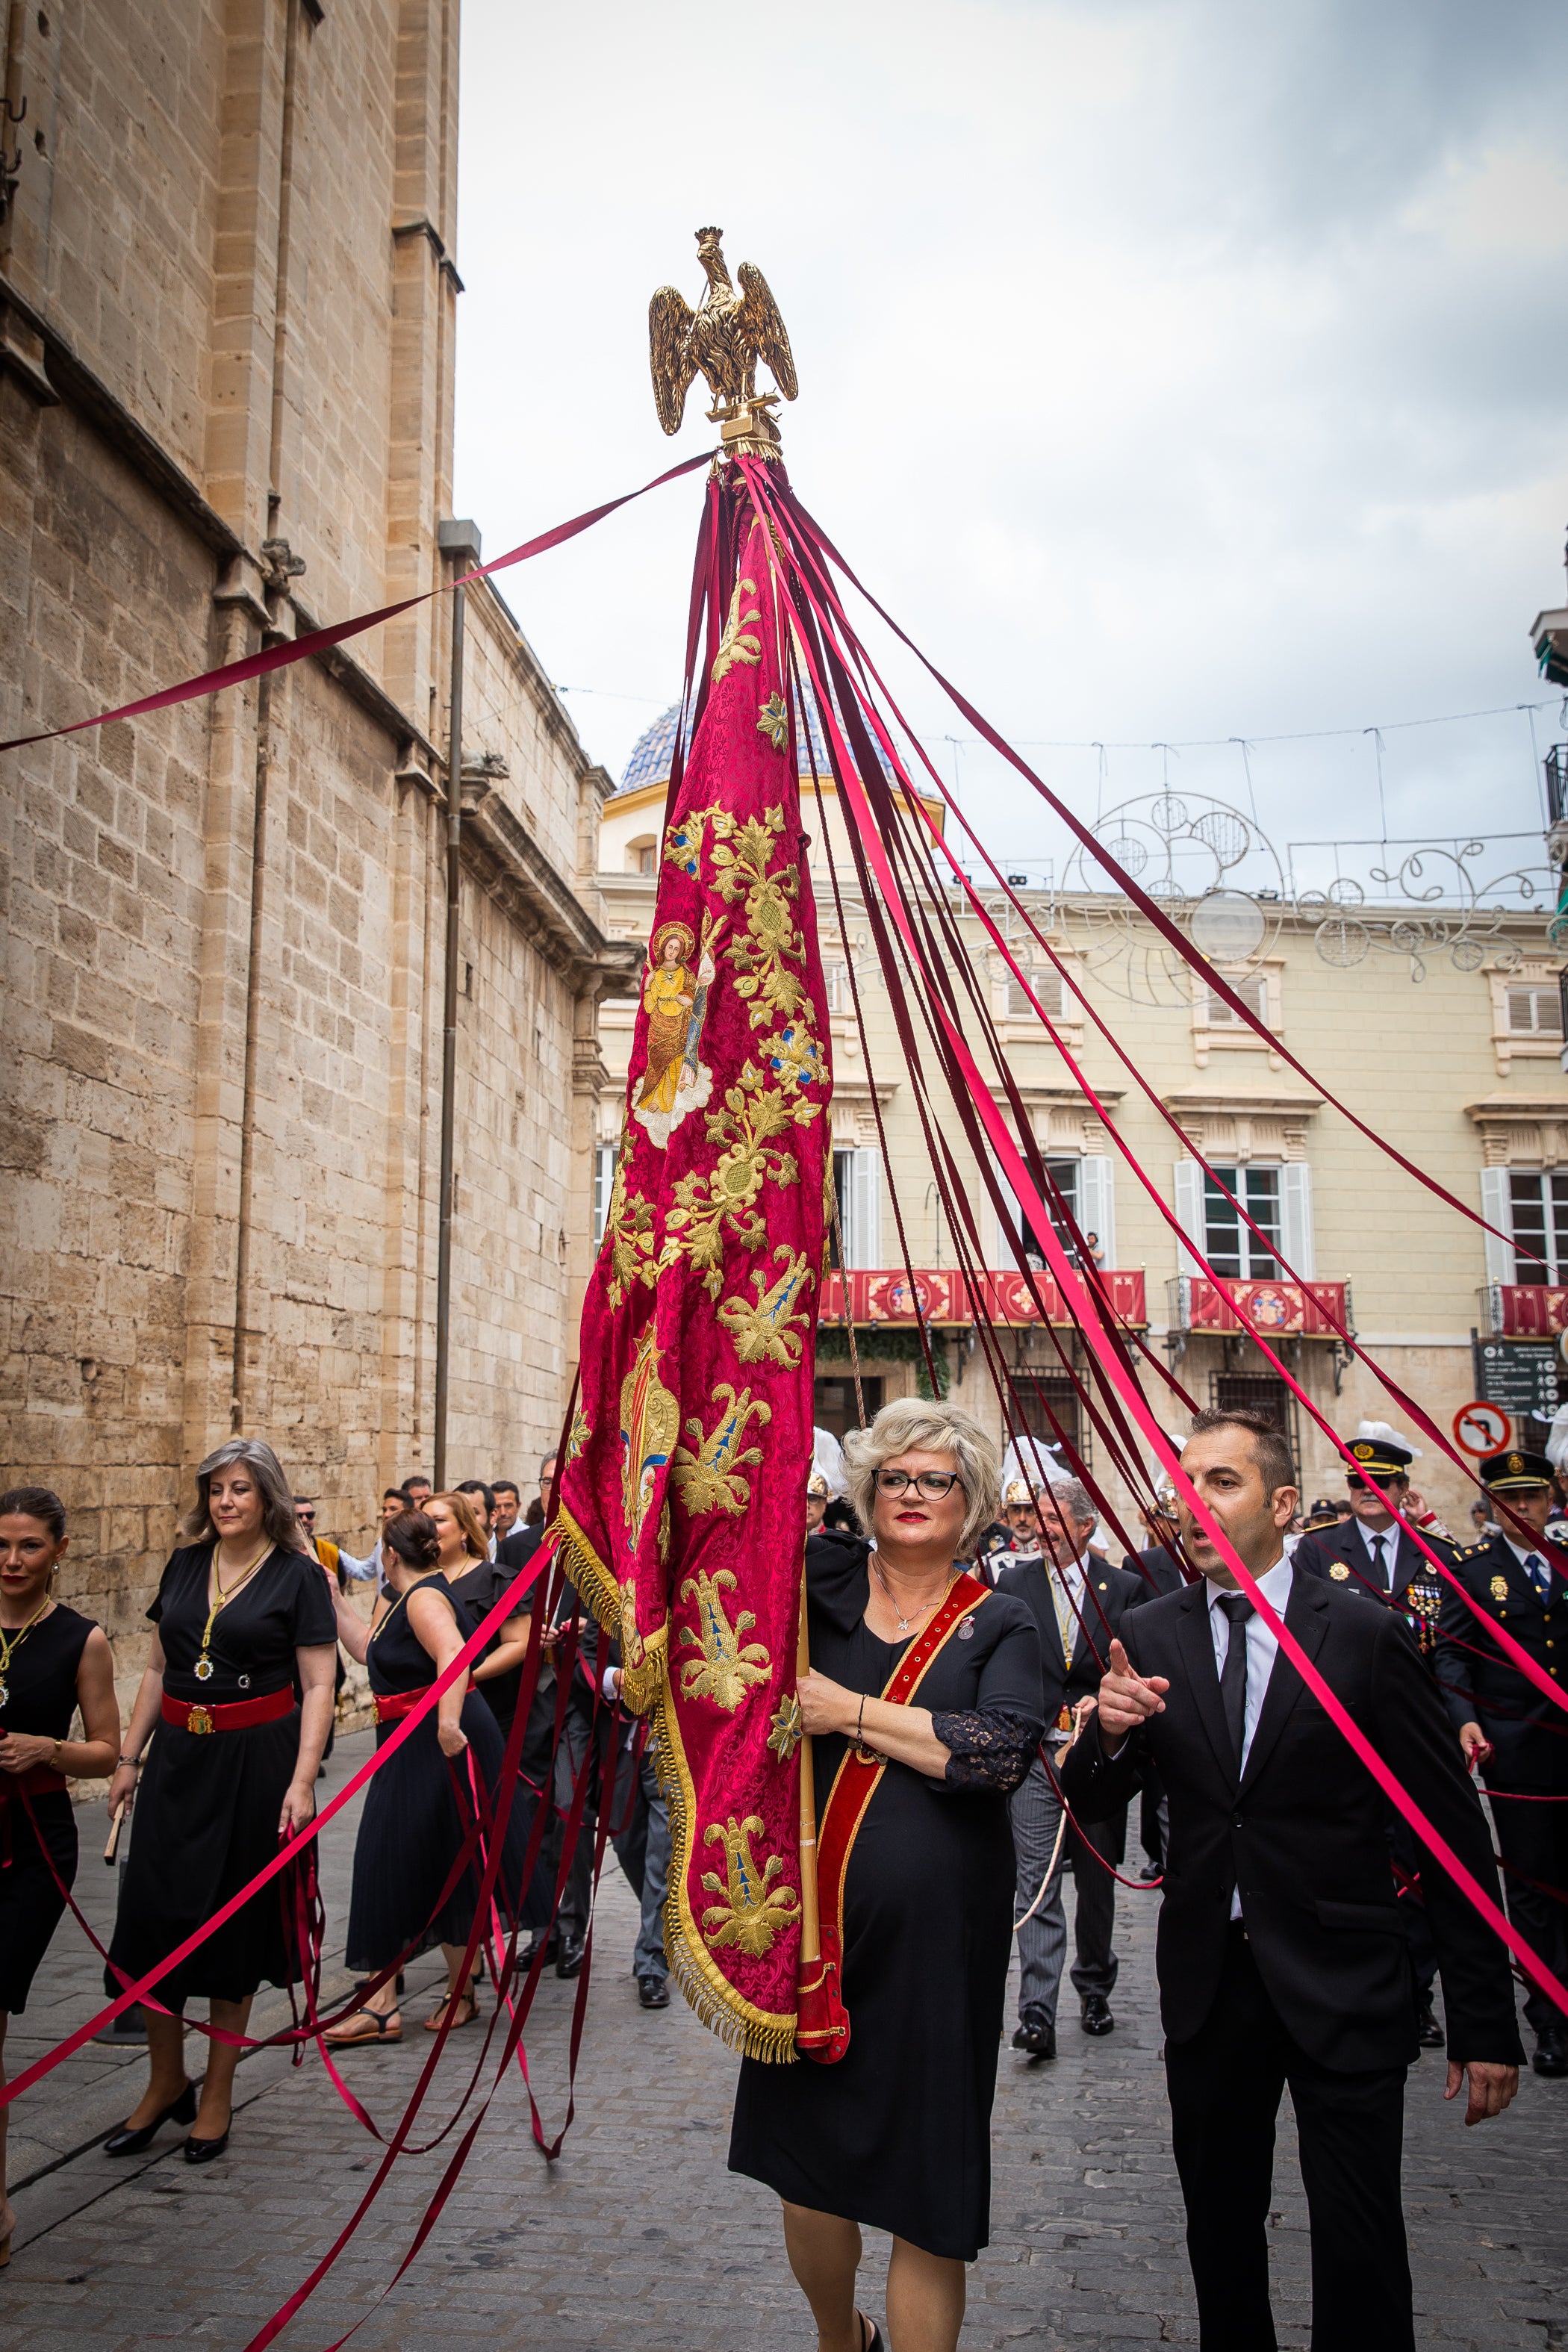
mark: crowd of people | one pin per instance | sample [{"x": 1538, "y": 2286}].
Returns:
[{"x": 992, "y": 1690}]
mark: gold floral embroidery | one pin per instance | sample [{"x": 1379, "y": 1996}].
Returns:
[
  {"x": 771, "y": 943},
  {"x": 650, "y": 1421},
  {"x": 767, "y": 1331},
  {"x": 773, "y": 720},
  {"x": 788, "y": 1725},
  {"x": 713, "y": 1202},
  {"x": 738, "y": 644},
  {"x": 578, "y": 1436},
  {"x": 729, "y": 1665},
  {"x": 709, "y": 1479},
  {"x": 751, "y": 1911}
]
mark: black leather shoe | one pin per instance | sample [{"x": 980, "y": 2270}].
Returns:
[
  {"x": 1152, "y": 1869},
  {"x": 126, "y": 2142},
  {"x": 203, "y": 2151},
  {"x": 1036, "y": 2033},
  {"x": 1550, "y": 2055},
  {"x": 569, "y": 1959},
  {"x": 552, "y": 1947},
  {"x": 1429, "y": 2033},
  {"x": 1097, "y": 2017},
  {"x": 653, "y": 1992}
]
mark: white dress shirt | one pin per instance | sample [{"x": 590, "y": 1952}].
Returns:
[
  {"x": 1069, "y": 1577},
  {"x": 1389, "y": 1538},
  {"x": 1262, "y": 1648}
]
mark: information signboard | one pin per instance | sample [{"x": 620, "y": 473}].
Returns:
[{"x": 1519, "y": 1375}]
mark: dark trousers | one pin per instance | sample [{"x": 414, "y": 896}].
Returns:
[
  {"x": 1225, "y": 2087},
  {"x": 1533, "y": 1842},
  {"x": 1095, "y": 1965}
]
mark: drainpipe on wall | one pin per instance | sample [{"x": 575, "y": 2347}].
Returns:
[{"x": 460, "y": 540}]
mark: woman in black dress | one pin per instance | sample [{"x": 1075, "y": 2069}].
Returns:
[
  {"x": 243, "y": 1613},
  {"x": 898, "y": 2133},
  {"x": 479, "y": 1582},
  {"x": 412, "y": 1829},
  {"x": 52, "y": 1662}
]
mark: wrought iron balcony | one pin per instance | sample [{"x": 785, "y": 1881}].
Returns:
[
  {"x": 1284, "y": 1311},
  {"x": 940, "y": 1295}
]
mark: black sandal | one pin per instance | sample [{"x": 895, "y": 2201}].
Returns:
[{"x": 872, "y": 2343}]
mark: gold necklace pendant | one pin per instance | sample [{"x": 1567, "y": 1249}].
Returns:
[
  {"x": 204, "y": 1668},
  {"x": 4, "y": 1693}
]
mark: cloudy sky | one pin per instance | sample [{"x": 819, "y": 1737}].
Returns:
[{"x": 1177, "y": 371}]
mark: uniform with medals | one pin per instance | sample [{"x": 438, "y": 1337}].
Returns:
[
  {"x": 1523, "y": 1589},
  {"x": 1388, "y": 1568}
]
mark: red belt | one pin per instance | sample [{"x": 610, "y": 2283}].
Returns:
[
  {"x": 37, "y": 1781},
  {"x": 234, "y": 1715},
  {"x": 392, "y": 1706}
]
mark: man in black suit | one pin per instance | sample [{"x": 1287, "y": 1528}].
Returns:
[
  {"x": 1157, "y": 1570},
  {"x": 1371, "y": 1554},
  {"x": 1510, "y": 1728},
  {"x": 1281, "y": 1954},
  {"x": 1078, "y": 1603}
]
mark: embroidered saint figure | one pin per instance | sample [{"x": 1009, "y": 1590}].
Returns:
[{"x": 674, "y": 996}]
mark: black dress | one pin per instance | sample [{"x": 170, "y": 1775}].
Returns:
[
  {"x": 411, "y": 1830},
  {"x": 897, "y": 2134},
  {"x": 41, "y": 1678},
  {"x": 206, "y": 1819},
  {"x": 478, "y": 1589}
]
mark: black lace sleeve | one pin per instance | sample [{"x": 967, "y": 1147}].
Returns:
[{"x": 990, "y": 1748}]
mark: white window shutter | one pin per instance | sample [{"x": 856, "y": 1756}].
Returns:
[
  {"x": 1190, "y": 1212},
  {"x": 1004, "y": 1246},
  {"x": 1097, "y": 1201},
  {"x": 864, "y": 1239},
  {"x": 1295, "y": 1219},
  {"x": 1497, "y": 1208}
]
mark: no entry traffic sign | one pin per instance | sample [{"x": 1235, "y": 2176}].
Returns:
[{"x": 1482, "y": 1428}]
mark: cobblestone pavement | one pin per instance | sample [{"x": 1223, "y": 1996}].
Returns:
[{"x": 638, "y": 2234}]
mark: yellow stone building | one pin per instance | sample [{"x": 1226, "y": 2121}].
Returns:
[
  {"x": 228, "y": 320},
  {"x": 1440, "y": 1026}
]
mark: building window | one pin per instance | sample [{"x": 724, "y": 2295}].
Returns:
[
  {"x": 1017, "y": 1232},
  {"x": 1047, "y": 984},
  {"x": 835, "y": 983},
  {"x": 1253, "y": 989},
  {"x": 603, "y": 1185},
  {"x": 857, "y": 1191},
  {"x": 642, "y": 856},
  {"x": 1036, "y": 1392},
  {"x": 1534, "y": 1012},
  {"x": 835, "y": 1405},
  {"x": 1256, "y": 1392},
  {"x": 1538, "y": 1218},
  {"x": 1231, "y": 1247}
]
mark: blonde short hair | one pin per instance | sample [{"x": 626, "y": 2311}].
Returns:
[{"x": 911, "y": 1424}]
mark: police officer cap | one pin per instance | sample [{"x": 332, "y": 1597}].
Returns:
[
  {"x": 1513, "y": 1472},
  {"x": 1321, "y": 1514},
  {"x": 1379, "y": 1457}
]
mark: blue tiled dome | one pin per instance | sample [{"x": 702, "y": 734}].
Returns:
[{"x": 650, "y": 762}]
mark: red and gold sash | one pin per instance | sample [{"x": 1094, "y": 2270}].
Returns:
[{"x": 823, "y": 2030}]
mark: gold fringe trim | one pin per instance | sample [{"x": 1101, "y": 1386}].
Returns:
[{"x": 767, "y": 2034}]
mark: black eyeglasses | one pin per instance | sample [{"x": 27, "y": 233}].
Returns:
[{"x": 932, "y": 1483}]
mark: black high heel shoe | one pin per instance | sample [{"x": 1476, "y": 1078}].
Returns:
[
  {"x": 126, "y": 2142},
  {"x": 202, "y": 2151}
]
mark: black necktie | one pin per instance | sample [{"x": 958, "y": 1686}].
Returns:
[
  {"x": 1380, "y": 1563},
  {"x": 1233, "y": 1677}
]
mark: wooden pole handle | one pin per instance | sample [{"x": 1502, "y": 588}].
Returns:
[
  {"x": 115, "y": 1819},
  {"x": 810, "y": 1922}
]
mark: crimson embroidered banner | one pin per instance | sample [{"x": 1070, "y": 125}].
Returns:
[{"x": 683, "y": 1490}]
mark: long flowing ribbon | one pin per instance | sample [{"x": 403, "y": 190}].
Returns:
[
  {"x": 1085, "y": 1304},
  {"x": 1518, "y": 1656},
  {"x": 337, "y": 633}
]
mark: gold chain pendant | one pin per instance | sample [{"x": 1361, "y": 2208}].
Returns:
[
  {"x": 4, "y": 1693},
  {"x": 203, "y": 1669}
]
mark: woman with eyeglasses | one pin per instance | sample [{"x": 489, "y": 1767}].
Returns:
[{"x": 925, "y": 1705}]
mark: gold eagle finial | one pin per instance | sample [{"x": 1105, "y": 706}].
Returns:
[{"x": 723, "y": 337}]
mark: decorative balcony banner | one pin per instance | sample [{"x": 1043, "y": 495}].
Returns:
[{"x": 683, "y": 1491}]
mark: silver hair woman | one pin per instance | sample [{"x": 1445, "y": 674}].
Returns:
[
  {"x": 243, "y": 1618},
  {"x": 935, "y": 1428},
  {"x": 923, "y": 1703},
  {"x": 277, "y": 1519}
]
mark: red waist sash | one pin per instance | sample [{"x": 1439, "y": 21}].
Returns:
[
  {"x": 823, "y": 2030},
  {"x": 231, "y": 1715},
  {"x": 391, "y": 1705}
]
